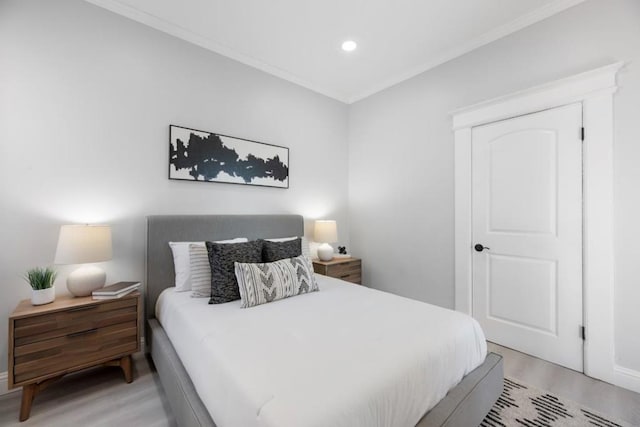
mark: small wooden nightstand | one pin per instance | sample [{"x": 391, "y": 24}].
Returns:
[
  {"x": 48, "y": 341},
  {"x": 349, "y": 269}
]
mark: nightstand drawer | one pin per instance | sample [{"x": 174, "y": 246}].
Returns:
[
  {"x": 344, "y": 269},
  {"x": 47, "y": 357},
  {"x": 353, "y": 278},
  {"x": 81, "y": 319},
  {"x": 347, "y": 269}
]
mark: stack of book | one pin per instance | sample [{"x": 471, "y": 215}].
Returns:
[{"x": 117, "y": 290}]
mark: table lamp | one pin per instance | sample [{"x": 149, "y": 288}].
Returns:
[
  {"x": 325, "y": 232},
  {"x": 84, "y": 244}
]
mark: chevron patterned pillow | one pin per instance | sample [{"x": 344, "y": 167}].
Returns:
[{"x": 266, "y": 282}]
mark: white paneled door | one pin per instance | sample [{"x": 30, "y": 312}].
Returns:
[{"x": 527, "y": 233}]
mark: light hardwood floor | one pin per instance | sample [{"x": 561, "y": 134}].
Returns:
[
  {"x": 97, "y": 397},
  {"x": 100, "y": 397}
]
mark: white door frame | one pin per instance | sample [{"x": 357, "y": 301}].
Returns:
[{"x": 595, "y": 90}]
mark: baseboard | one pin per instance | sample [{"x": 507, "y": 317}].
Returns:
[
  {"x": 4, "y": 382},
  {"x": 627, "y": 378}
]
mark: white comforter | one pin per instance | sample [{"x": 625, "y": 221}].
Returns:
[{"x": 345, "y": 356}]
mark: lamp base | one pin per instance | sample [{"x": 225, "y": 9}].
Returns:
[
  {"x": 85, "y": 280},
  {"x": 325, "y": 252}
]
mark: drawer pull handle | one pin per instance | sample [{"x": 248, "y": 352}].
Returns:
[
  {"x": 345, "y": 276},
  {"x": 90, "y": 307},
  {"x": 77, "y": 334}
]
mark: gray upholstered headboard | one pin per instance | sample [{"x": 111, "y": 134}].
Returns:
[{"x": 162, "y": 229}]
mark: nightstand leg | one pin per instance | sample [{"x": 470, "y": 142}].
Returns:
[
  {"x": 127, "y": 368},
  {"x": 28, "y": 393},
  {"x": 126, "y": 364}
]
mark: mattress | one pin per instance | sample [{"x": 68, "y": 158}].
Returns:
[{"x": 345, "y": 356}]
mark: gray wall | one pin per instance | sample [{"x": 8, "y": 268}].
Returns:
[
  {"x": 86, "y": 98},
  {"x": 401, "y": 163}
]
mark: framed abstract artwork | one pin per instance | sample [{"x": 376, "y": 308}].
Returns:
[{"x": 196, "y": 155}]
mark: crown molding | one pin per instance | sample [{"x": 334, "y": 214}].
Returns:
[
  {"x": 497, "y": 33},
  {"x": 204, "y": 42},
  {"x": 170, "y": 28}
]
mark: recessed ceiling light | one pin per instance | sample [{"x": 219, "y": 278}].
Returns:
[{"x": 349, "y": 46}]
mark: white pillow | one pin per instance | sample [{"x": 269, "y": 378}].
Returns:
[
  {"x": 182, "y": 264},
  {"x": 304, "y": 243}
]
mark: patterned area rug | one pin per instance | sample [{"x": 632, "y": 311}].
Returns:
[{"x": 523, "y": 405}]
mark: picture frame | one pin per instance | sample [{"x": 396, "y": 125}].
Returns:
[{"x": 196, "y": 155}]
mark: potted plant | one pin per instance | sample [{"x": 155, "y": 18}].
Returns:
[{"x": 41, "y": 281}]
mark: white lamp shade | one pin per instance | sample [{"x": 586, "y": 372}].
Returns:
[
  {"x": 326, "y": 231},
  {"x": 80, "y": 244}
]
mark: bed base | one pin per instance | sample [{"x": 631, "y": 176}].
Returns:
[
  {"x": 470, "y": 401},
  {"x": 465, "y": 405},
  {"x": 187, "y": 408}
]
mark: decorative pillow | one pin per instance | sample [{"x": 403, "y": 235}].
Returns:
[
  {"x": 275, "y": 251},
  {"x": 265, "y": 282},
  {"x": 304, "y": 244},
  {"x": 200, "y": 271},
  {"x": 181, "y": 262},
  {"x": 224, "y": 287}
]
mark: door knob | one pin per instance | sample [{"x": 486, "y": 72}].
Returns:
[{"x": 480, "y": 248}]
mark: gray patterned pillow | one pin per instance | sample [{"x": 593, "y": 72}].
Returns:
[
  {"x": 224, "y": 287},
  {"x": 304, "y": 243},
  {"x": 275, "y": 251},
  {"x": 265, "y": 282}
]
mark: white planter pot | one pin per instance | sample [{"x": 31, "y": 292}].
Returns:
[{"x": 43, "y": 296}]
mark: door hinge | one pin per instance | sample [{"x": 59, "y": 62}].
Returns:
[
  {"x": 583, "y": 333},
  {"x": 582, "y": 134}
]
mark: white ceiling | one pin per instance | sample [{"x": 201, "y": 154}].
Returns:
[{"x": 299, "y": 40}]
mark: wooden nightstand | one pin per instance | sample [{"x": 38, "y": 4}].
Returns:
[
  {"x": 48, "y": 341},
  {"x": 349, "y": 269}
]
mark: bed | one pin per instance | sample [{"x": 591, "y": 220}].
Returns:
[{"x": 260, "y": 396}]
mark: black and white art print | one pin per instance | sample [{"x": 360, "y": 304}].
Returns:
[{"x": 196, "y": 155}]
